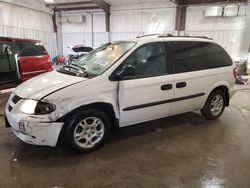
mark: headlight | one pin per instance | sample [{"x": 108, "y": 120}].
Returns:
[
  {"x": 29, "y": 106},
  {"x": 37, "y": 107},
  {"x": 44, "y": 108}
]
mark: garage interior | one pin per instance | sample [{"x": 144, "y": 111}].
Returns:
[{"x": 180, "y": 151}]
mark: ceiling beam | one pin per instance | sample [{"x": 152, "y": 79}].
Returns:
[
  {"x": 54, "y": 21},
  {"x": 106, "y": 8},
  {"x": 197, "y": 2},
  {"x": 69, "y": 4},
  {"x": 76, "y": 8},
  {"x": 180, "y": 18},
  {"x": 103, "y": 5},
  {"x": 107, "y": 21}
]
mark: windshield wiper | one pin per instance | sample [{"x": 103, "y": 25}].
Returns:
[
  {"x": 74, "y": 70},
  {"x": 78, "y": 66}
]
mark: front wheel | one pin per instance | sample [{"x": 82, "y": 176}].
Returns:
[
  {"x": 87, "y": 130},
  {"x": 214, "y": 105}
]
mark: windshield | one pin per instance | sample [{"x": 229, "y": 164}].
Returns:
[{"x": 99, "y": 60}]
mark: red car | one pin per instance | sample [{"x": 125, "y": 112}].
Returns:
[{"x": 20, "y": 60}]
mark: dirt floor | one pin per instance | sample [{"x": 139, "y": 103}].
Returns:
[{"x": 180, "y": 151}]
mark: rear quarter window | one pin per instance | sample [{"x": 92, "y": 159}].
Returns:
[
  {"x": 187, "y": 56},
  {"x": 30, "y": 49},
  {"x": 217, "y": 56}
]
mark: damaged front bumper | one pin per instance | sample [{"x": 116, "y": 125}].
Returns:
[{"x": 32, "y": 131}]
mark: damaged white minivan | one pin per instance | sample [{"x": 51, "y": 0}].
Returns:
[{"x": 120, "y": 84}]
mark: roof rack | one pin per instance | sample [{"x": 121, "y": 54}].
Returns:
[
  {"x": 170, "y": 35},
  {"x": 148, "y": 35},
  {"x": 204, "y": 37}
]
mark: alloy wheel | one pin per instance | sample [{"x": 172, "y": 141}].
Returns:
[{"x": 89, "y": 132}]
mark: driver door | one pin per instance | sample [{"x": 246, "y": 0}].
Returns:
[{"x": 147, "y": 94}]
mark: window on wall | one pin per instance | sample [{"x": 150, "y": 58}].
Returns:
[
  {"x": 193, "y": 56},
  {"x": 149, "y": 60}
]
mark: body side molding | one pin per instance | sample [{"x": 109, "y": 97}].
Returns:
[{"x": 162, "y": 102}]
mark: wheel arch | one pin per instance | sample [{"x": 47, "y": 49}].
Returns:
[
  {"x": 105, "y": 107},
  {"x": 225, "y": 89}
]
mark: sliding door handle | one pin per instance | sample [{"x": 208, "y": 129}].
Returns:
[
  {"x": 181, "y": 84},
  {"x": 166, "y": 87}
]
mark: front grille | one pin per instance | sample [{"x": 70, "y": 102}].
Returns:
[
  {"x": 10, "y": 108},
  {"x": 15, "y": 99}
]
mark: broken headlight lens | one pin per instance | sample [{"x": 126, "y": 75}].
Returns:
[
  {"x": 44, "y": 108},
  {"x": 37, "y": 107}
]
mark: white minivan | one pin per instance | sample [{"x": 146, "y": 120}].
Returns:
[{"x": 120, "y": 84}]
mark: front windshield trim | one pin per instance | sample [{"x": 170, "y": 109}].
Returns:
[{"x": 133, "y": 44}]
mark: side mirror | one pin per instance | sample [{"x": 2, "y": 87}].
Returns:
[{"x": 127, "y": 70}]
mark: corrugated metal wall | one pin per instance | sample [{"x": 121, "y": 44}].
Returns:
[
  {"x": 85, "y": 38},
  {"x": 231, "y": 40},
  {"x": 127, "y": 24},
  {"x": 48, "y": 38}
]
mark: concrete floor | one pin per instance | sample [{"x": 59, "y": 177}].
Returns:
[{"x": 180, "y": 151}]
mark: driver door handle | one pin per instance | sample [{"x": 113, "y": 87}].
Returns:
[
  {"x": 181, "y": 84},
  {"x": 166, "y": 87}
]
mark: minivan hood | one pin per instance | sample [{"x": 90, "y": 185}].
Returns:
[{"x": 40, "y": 86}]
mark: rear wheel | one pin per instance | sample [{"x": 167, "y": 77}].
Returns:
[
  {"x": 215, "y": 105},
  {"x": 87, "y": 130}
]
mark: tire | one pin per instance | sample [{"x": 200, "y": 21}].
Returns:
[
  {"x": 215, "y": 105},
  {"x": 87, "y": 130}
]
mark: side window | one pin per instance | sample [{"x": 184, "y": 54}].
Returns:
[
  {"x": 8, "y": 68},
  {"x": 148, "y": 60},
  {"x": 30, "y": 49},
  {"x": 187, "y": 56},
  {"x": 3, "y": 49},
  {"x": 217, "y": 56}
]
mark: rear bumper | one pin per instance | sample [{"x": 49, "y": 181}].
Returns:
[{"x": 35, "y": 133}]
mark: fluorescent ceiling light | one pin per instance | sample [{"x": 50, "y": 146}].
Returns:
[{"x": 49, "y": 1}]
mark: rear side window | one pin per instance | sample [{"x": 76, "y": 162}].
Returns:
[
  {"x": 30, "y": 49},
  {"x": 217, "y": 56},
  {"x": 194, "y": 56},
  {"x": 187, "y": 56}
]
